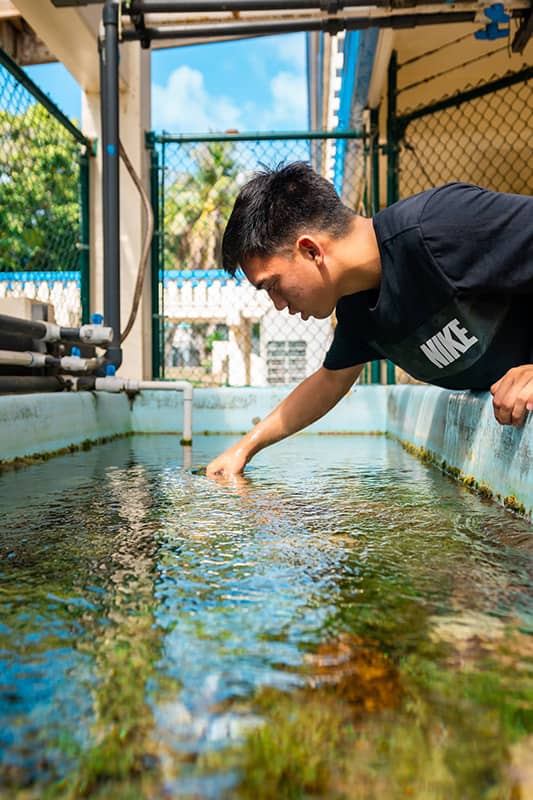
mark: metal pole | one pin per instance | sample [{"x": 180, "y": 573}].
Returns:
[
  {"x": 392, "y": 156},
  {"x": 375, "y": 367},
  {"x": 84, "y": 238},
  {"x": 257, "y": 136},
  {"x": 193, "y": 6},
  {"x": 111, "y": 189},
  {"x": 392, "y": 131},
  {"x": 155, "y": 265},
  {"x": 374, "y": 138},
  {"x": 330, "y": 25}
]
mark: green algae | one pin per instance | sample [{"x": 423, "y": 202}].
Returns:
[
  {"x": 313, "y": 744},
  {"x": 38, "y": 458},
  {"x": 482, "y": 488}
]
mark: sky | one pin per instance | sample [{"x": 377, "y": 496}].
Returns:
[{"x": 249, "y": 85}]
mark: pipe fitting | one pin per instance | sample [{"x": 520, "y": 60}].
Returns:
[{"x": 96, "y": 334}]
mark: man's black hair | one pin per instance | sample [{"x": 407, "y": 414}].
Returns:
[{"x": 275, "y": 207}]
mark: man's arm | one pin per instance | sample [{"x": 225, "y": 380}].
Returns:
[
  {"x": 512, "y": 395},
  {"x": 313, "y": 398}
]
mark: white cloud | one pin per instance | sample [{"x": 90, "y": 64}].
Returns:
[
  {"x": 291, "y": 50},
  {"x": 185, "y": 106},
  {"x": 288, "y": 104}
]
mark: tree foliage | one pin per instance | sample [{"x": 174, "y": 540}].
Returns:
[
  {"x": 198, "y": 202},
  {"x": 39, "y": 192}
]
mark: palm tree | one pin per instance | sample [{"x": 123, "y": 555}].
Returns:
[{"x": 197, "y": 205}]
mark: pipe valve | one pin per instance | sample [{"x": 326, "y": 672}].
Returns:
[{"x": 96, "y": 334}]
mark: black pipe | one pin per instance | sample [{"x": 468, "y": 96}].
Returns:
[
  {"x": 70, "y": 334},
  {"x": 32, "y": 329},
  {"x": 86, "y": 383},
  {"x": 111, "y": 189},
  {"x": 163, "y": 6},
  {"x": 16, "y": 384},
  {"x": 327, "y": 25},
  {"x": 16, "y": 341},
  {"x": 328, "y": 6},
  {"x": 24, "y": 327}
]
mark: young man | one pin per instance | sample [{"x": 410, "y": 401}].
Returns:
[{"x": 440, "y": 283}]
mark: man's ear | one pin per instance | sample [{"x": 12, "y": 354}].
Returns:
[{"x": 310, "y": 247}]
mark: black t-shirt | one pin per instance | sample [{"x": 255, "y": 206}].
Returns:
[{"x": 455, "y": 304}]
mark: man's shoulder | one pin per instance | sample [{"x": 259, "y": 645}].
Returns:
[
  {"x": 452, "y": 203},
  {"x": 403, "y": 215}
]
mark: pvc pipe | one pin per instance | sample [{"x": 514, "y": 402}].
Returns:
[
  {"x": 50, "y": 332},
  {"x": 178, "y": 386},
  {"x": 113, "y": 383},
  {"x": 23, "y": 359},
  {"x": 28, "y": 358},
  {"x": 79, "y": 364}
]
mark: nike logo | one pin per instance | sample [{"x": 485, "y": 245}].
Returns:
[{"x": 448, "y": 344}]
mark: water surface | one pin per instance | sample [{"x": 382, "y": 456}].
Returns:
[{"x": 158, "y": 627}]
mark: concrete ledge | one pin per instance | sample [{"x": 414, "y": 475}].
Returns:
[
  {"x": 455, "y": 430},
  {"x": 459, "y": 431},
  {"x": 34, "y": 424},
  {"x": 226, "y": 410}
]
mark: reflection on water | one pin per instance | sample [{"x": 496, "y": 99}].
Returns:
[{"x": 157, "y": 627}]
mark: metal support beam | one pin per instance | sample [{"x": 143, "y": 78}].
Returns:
[
  {"x": 330, "y": 25},
  {"x": 166, "y": 6},
  {"x": 110, "y": 182}
]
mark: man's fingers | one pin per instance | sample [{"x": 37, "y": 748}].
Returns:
[
  {"x": 518, "y": 412},
  {"x": 513, "y": 396},
  {"x": 523, "y": 403},
  {"x": 502, "y": 399},
  {"x": 495, "y": 386}
]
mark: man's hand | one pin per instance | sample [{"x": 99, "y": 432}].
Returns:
[
  {"x": 313, "y": 398},
  {"x": 512, "y": 395},
  {"x": 231, "y": 462}
]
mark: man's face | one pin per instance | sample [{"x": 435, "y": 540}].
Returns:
[{"x": 295, "y": 282}]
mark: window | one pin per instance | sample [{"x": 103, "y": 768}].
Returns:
[{"x": 286, "y": 362}]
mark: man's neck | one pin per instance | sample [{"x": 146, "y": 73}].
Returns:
[{"x": 358, "y": 259}]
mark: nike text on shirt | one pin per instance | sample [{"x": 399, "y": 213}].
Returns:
[{"x": 448, "y": 344}]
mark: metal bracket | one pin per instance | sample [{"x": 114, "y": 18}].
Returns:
[
  {"x": 331, "y": 6},
  {"x": 523, "y": 34},
  {"x": 496, "y": 14}
]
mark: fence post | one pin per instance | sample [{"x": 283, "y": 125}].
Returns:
[
  {"x": 374, "y": 136},
  {"x": 392, "y": 132},
  {"x": 392, "y": 156},
  {"x": 374, "y": 177},
  {"x": 154, "y": 257},
  {"x": 84, "y": 261}
]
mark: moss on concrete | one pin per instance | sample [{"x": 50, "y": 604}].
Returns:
[
  {"x": 39, "y": 458},
  {"x": 469, "y": 481}
]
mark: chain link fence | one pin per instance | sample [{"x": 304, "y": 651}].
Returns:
[
  {"x": 482, "y": 135},
  {"x": 209, "y": 328},
  {"x": 44, "y": 210}
]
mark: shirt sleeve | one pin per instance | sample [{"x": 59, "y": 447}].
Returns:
[
  {"x": 348, "y": 351},
  {"x": 481, "y": 241}
]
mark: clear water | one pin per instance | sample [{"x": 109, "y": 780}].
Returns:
[{"x": 146, "y": 612}]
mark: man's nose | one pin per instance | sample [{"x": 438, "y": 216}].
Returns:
[{"x": 279, "y": 302}]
